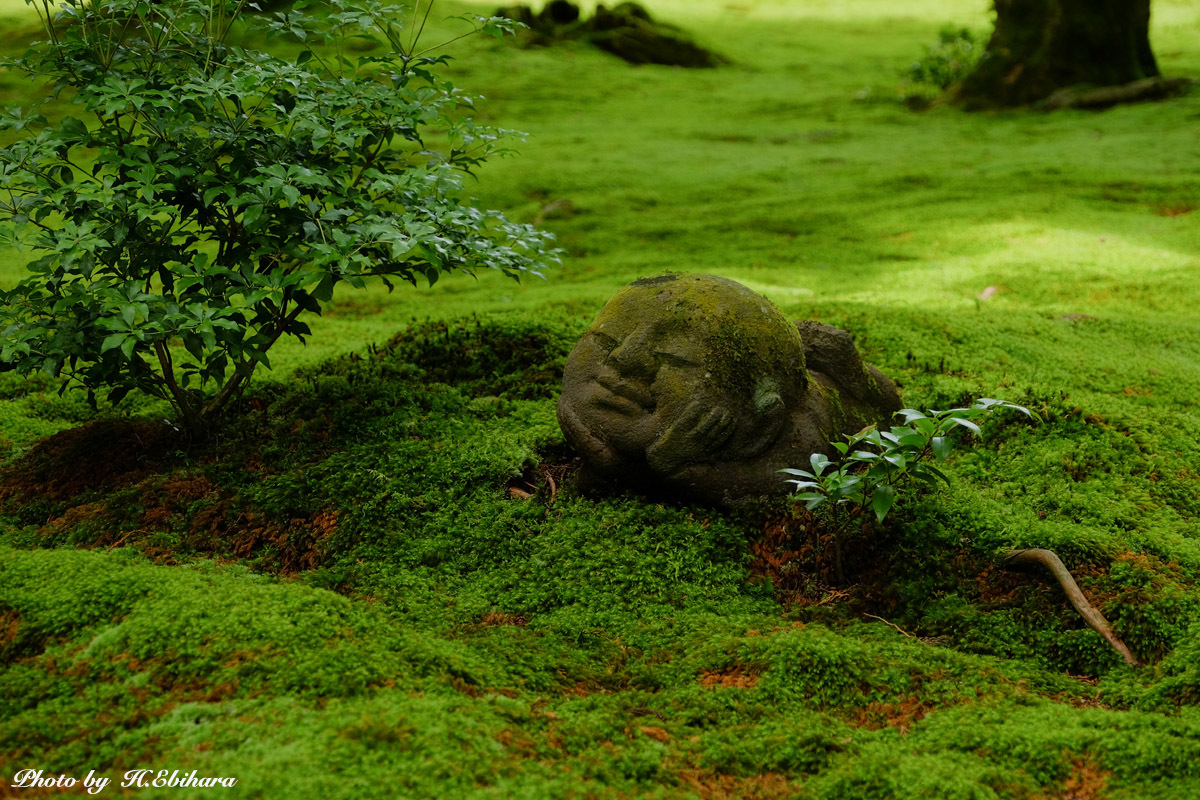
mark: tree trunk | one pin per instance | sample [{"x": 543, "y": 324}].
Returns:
[{"x": 1040, "y": 46}]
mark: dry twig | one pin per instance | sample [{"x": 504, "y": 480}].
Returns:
[{"x": 894, "y": 625}]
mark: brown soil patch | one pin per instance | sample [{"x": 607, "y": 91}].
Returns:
[
  {"x": 997, "y": 586},
  {"x": 791, "y": 555},
  {"x": 902, "y": 715},
  {"x": 493, "y": 618},
  {"x": 285, "y": 545},
  {"x": 222, "y": 525},
  {"x": 1152, "y": 564},
  {"x": 731, "y": 678},
  {"x": 99, "y": 456},
  {"x": 518, "y": 741},
  {"x": 1086, "y": 782},
  {"x": 655, "y": 733},
  {"x": 75, "y": 516},
  {"x": 799, "y": 557},
  {"x": 110, "y": 456},
  {"x": 775, "y": 556},
  {"x": 10, "y": 626},
  {"x": 714, "y": 786},
  {"x": 166, "y": 500}
]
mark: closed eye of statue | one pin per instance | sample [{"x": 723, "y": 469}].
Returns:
[
  {"x": 604, "y": 340},
  {"x": 674, "y": 359}
]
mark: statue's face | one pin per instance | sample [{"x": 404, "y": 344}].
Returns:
[
  {"x": 635, "y": 373},
  {"x": 673, "y": 372}
]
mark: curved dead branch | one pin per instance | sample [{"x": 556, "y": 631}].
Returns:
[{"x": 1054, "y": 564}]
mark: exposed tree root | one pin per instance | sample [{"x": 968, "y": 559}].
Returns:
[
  {"x": 1105, "y": 96},
  {"x": 1091, "y": 616}
]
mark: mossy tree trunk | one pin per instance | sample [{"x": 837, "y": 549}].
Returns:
[{"x": 1041, "y": 46}]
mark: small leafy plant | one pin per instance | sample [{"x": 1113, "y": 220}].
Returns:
[
  {"x": 873, "y": 466},
  {"x": 210, "y": 194},
  {"x": 957, "y": 52}
]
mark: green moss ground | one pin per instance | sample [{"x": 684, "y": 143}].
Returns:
[{"x": 381, "y": 580}]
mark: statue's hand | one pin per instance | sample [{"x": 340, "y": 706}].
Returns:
[
  {"x": 768, "y": 424},
  {"x": 696, "y": 436},
  {"x": 602, "y": 455}
]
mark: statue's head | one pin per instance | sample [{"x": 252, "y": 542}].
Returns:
[{"x": 682, "y": 369}]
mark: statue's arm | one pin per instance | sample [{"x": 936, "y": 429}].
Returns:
[{"x": 696, "y": 436}]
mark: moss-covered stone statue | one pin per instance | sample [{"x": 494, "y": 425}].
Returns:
[{"x": 696, "y": 386}]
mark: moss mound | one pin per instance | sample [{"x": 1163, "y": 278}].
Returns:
[
  {"x": 627, "y": 30},
  {"x": 516, "y": 358},
  {"x": 100, "y": 456}
]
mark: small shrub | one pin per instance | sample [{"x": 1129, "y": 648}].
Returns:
[
  {"x": 956, "y": 54},
  {"x": 874, "y": 466},
  {"x": 212, "y": 194}
]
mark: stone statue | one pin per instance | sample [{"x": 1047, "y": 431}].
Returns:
[{"x": 695, "y": 386}]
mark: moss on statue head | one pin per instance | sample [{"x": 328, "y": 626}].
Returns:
[
  {"x": 747, "y": 343},
  {"x": 743, "y": 362}
]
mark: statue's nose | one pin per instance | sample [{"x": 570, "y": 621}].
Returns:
[{"x": 634, "y": 357}]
